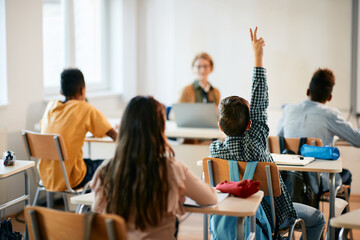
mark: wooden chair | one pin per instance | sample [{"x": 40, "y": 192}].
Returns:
[
  {"x": 45, "y": 223},
  {"x": 290, "y": 143},
  {"x": 217, "y": 170},
  {"x": 293, "y": 145},
  {"x": 52, "y": 147}
]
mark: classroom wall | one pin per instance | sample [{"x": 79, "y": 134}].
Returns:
[
  {"x": 26, "y": 99},
  {"x": 300, "y": 37},
  {"x": 161, "y": 38},
  {"x": 24, "y": 72}
]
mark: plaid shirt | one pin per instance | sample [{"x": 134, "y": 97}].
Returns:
[{"x": 252, "y": 146}]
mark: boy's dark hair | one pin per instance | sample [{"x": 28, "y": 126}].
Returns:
[
  {"x": 234, "y": 115},
  {"x": 321, "y": 85},
  {"x": 72, "y": 81}
]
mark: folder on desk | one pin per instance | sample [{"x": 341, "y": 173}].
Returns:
[{"x": 288, "y": 159}]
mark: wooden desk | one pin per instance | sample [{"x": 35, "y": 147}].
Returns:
[
  {"x": 237, "y": 207},
  {"x": 350, "y": 220},
  {"x": 346, "y": 222},
  {"x": 186, "y": 153},
  {"x": 325, "y": 166},
  {"x": 19, "y": 166},
  {"x": 84, "y": 199},
  {"x": 231, "y": 206},
  {"x": 172, "y": 130},
  {"x": 342, "y": 142}
]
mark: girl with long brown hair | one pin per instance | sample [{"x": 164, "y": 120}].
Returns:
[{"x": 143, "y": 183}]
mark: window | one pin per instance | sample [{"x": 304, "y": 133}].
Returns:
[
  {"x": 3, "y": 75},
  {"x": 77, "y": 34}
]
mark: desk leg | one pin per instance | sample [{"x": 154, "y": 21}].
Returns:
[
  {"x": 205, "y": 227},
  {"x": 27, "y": 187},
  {"x": 27, "y": 201},
  {"x": 252, "y": 227},
  {"x": 331, "y": 231},
  {"x": 240, "y": 228},
  {"x": 343, "y": 233},
  {"x": 89, "y": 150}
]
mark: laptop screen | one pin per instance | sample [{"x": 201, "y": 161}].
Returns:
[{"x": 196, "y": 115}]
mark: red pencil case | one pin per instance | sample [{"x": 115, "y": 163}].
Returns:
[{"x": 243, "y": 189}]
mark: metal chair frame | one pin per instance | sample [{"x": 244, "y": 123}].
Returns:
[{"x": 61, "y": 153}]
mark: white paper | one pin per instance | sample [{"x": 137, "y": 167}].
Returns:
[{"x": 189, "y": 202}]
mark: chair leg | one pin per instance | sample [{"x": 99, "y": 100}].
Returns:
[
  {"x": 49, "y": 200},
  {"x": 291, "y": 232},
  {"x": 36, "y": 196},
  {"x": 66, "y": 204},
  {"x": 343, "y": 233},
  {"x": 347, "y": 198},
  {"x": 34, "y": 224},
  {"x": 303, "y": 229},
  {"x": 110, "y": 229}
]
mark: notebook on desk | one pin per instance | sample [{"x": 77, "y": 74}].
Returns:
[
  {"x": 288, "y": 159},
  {"x": 195, "y": 115}
]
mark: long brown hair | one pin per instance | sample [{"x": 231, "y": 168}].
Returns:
[{"x": 135, "y": 181}]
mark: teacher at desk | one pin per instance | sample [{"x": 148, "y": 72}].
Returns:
[{"x": 201, "y": 90}]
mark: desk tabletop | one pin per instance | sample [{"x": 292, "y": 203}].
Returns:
[
  {"x": 342, "y": 142},
  {"x": 231, "y": 206},
  {"x": 99, "y": 140},
  {"x": 172, "y": 130},
  {"x": 329, "y": 166},
  {"x": 348, "y": 220},
  {"x": 19, "y": 166},
  {"x": 86, "y": 199},
  {"x": 319, "y": 165}
]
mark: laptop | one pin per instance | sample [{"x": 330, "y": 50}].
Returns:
[
  {"x": 195, "y": 115},
  {"x": 289, "y": 159}
]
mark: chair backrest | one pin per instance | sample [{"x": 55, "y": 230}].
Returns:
[
  {"x": 290, "y": 143},
  {"x": 220, "y": 170},
  {"x": 47, "y": 146},
  {"x": 45, "y": 223},
  {"x": 44, "y": 145}
]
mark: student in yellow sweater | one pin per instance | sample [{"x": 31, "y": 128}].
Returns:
[{"x": 72, "y": 119}]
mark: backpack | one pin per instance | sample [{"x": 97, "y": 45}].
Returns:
[
  {"x": 6, "y": 231},
  {"x": 225, "y": 227},
  {"x": 303, "y": 187}
]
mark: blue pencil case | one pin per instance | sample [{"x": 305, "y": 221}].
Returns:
[{"x": 330, "y": 153}]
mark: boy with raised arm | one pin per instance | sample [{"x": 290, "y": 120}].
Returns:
[{"x": 247, "y": 133}]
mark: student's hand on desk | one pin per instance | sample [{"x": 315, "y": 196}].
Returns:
[
  {"x": 258, "y": 45},
  {"x": 112, "y": 133}
]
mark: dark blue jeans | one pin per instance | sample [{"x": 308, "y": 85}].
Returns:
[{"x": 91, "y": 166}]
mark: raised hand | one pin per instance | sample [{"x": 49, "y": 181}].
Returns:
[{"x": 258, "y": 45}]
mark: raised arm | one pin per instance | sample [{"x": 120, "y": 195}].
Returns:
[
  {"x": 257, "y": 45},
  {"x": 259, "y": 130}
]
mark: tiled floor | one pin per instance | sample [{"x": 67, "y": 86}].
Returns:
[{"x": 191, "y": 227}]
